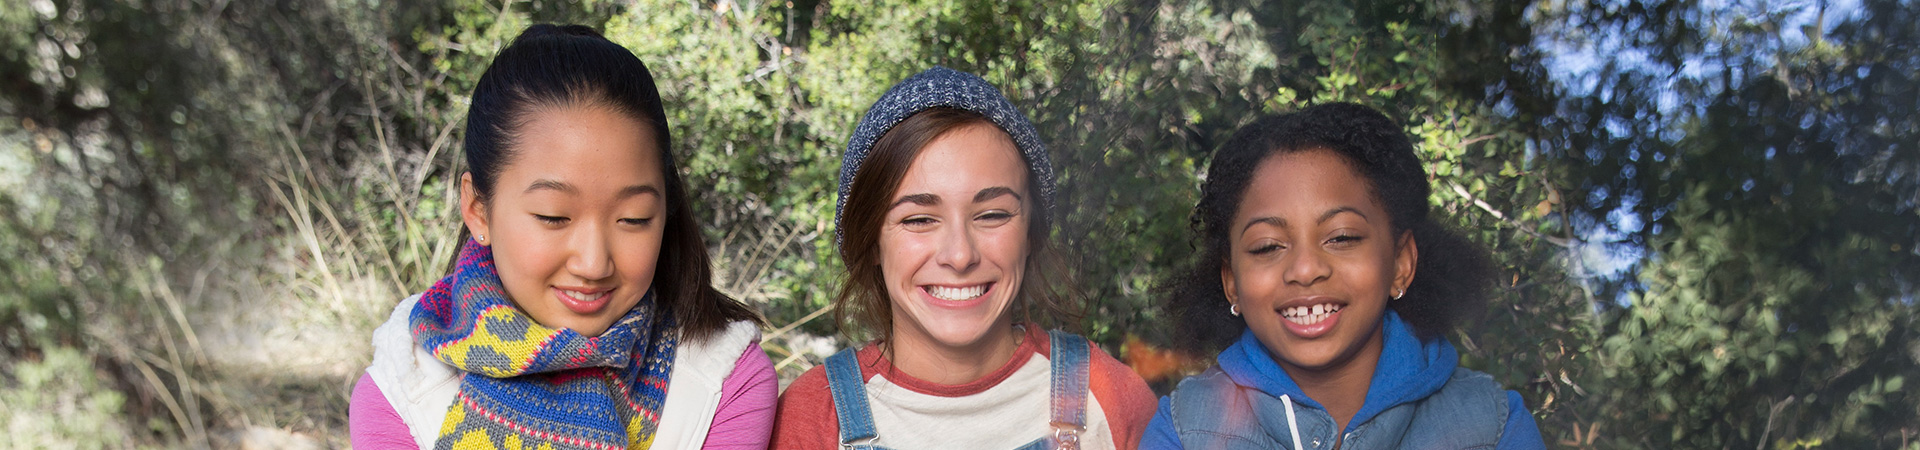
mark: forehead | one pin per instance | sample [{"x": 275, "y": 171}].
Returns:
[
  {"x": 583, "y": 146},
  {"x": 964, "y": 161},
  {"x": 1305, "y": 183}
]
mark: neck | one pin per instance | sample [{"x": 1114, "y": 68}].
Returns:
[
  {"x": 1342, "y": 386},
  {"x": 912, "y": 351}
]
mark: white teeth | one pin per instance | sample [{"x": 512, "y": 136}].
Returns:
[
  {"x": 585, "y": 297},
  {"x": 1309, "y": 315},
  {"x": 955, "y": 294}
]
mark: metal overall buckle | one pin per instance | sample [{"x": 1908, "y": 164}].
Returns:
[{"x": 1066, "y": 436}]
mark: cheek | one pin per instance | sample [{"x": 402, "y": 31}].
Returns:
[
  {"x": 902, "y": 253},
  {"x": 524, "y": 252},
  {"x": 639, "y": 258},
  {"x": 1007, "y": 248},
  {"x": 1252, "y": 283},
  {"x": 525, "y": 263}
]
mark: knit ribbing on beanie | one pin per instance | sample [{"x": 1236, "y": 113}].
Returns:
[{"x": 942, "y": 87}]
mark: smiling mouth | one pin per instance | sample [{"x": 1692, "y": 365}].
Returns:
[
  {"x": 583, "y": 302},
  {"x": 955, "y": 294},
  {"x": 1309, "y": 315},
  {"x": 584, "y": 297}
]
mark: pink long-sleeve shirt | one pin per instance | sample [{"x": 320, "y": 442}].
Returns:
[{"x": 742, "y": 421}]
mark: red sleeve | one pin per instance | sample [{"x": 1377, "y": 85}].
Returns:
[
  {"x": 746, "y": 403},
  {"x": 372, "y": 422},
  {"x": 805, "y": 420},
  {"x": 1124, "y": 398}
]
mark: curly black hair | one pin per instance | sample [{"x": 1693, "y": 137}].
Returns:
[{"x": 1452, "y": 279}]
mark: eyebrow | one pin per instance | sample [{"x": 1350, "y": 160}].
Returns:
[
  {"x": 931, "y": 200},
  {"x": 555, "y": 185},
  {"x": 1282, "y": 223},
  {"x": 992, "y": 192},
  {"x": 917, "y": 199}
]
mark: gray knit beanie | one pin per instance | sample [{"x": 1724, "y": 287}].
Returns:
[{"x": 942, "y": 87}]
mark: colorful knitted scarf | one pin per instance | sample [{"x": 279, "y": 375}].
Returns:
[{"x": 533, "y": 387}]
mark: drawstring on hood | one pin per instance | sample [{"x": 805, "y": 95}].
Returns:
[{"x": 1293, "y": 426}]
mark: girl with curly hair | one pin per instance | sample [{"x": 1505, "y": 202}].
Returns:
[{"x": 1331, "y": 287}]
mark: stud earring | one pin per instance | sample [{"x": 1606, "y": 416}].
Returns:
[{"x": 483, "y": 238}]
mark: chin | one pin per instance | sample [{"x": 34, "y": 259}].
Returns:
[
  {"x": 1309, "y": 361},
  {"x": 959, "y": 335}
]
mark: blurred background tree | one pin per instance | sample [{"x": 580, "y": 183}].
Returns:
[{"x": 1705, "y": 211}]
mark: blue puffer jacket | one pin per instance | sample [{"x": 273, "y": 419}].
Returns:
[{"x": 1419, "y": 399}]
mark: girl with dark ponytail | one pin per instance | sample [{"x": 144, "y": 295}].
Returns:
[
  {"x": 1332, "y": 288},
  {"x": 580, "y": 312}
]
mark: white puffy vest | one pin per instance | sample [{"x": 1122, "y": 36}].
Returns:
[{"x": 421, "y": 388}]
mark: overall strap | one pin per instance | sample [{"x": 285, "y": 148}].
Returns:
[
  {"x": 850, "y": 398},
  {"x": 1069, "y": 391}
]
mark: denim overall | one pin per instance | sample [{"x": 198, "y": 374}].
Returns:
[{"x": 1069, "y": 397}]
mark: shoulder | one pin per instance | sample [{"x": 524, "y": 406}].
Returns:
[
  {"x": 1520, "y": 432},
  {"x": 1125, "y": 400},
  {"x": 1470, "y": 411},
  {"x": 732, "y": 339},
  {"x": 1210, "y": 393},
  {"x": 393, "y": 340},
  {"x": 1474, "y": 390},
  {"x": 1213, "y": 380},
  {"x": 1116, "y": 385},
  {"x": 713, "y": 356},
  {"x": 416, "y": 386},
  {"x": 1160, "y": 434},
  {"x": 813, "y": 382},
  {"x": 806, "y": 418},
  {"x": 372, "y": 422},
  {"x": 1209, "y": 410},
  {"x": 398, "y": 362}
]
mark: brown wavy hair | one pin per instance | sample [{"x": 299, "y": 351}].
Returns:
[{"x": 862, "y": 302}]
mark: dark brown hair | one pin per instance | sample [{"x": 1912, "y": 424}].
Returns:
[
  {"x": 549, "y": 65},
  {"x": 862, "y": 302}
]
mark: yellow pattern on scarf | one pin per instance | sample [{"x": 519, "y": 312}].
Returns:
[{"x": 520, "y": 351}]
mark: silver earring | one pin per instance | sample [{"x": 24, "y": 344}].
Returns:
[
  {"x": 1234, "y": 308},
  {"x": 483, "y": 238},
  {"x": 1399, "y": 292}
]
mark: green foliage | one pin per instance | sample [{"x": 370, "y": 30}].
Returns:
[
  {"x": 60, "y": 401},
  {"x": 1774, "y": 306},
  {"x": 177, "y": 174}
]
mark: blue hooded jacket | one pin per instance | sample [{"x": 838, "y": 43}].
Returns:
[{"x": 1418, "y": 394}]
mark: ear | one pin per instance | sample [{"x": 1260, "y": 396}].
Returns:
[
  {"x": 1405, "y": 259},
  {"x": 1227, "y": 284},
  {"x": 473, "y": 211}
]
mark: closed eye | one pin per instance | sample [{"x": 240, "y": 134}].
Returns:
[
  {"x": 918, "y": 223},
  {"x": 637, "y": 222},
  {"x": 551, "y": 220},
  {"x": 994, "y": 217},
  {"x": 1264, "y": 249}
]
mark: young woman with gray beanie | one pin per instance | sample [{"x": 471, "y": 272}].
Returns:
[{"x": 945, "y": 193}]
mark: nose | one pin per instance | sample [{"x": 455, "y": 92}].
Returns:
[
  {"x": 957, "y": 251},
  {"x": 592, "y": 259},
  {"x": 1306, "y": 266}
]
